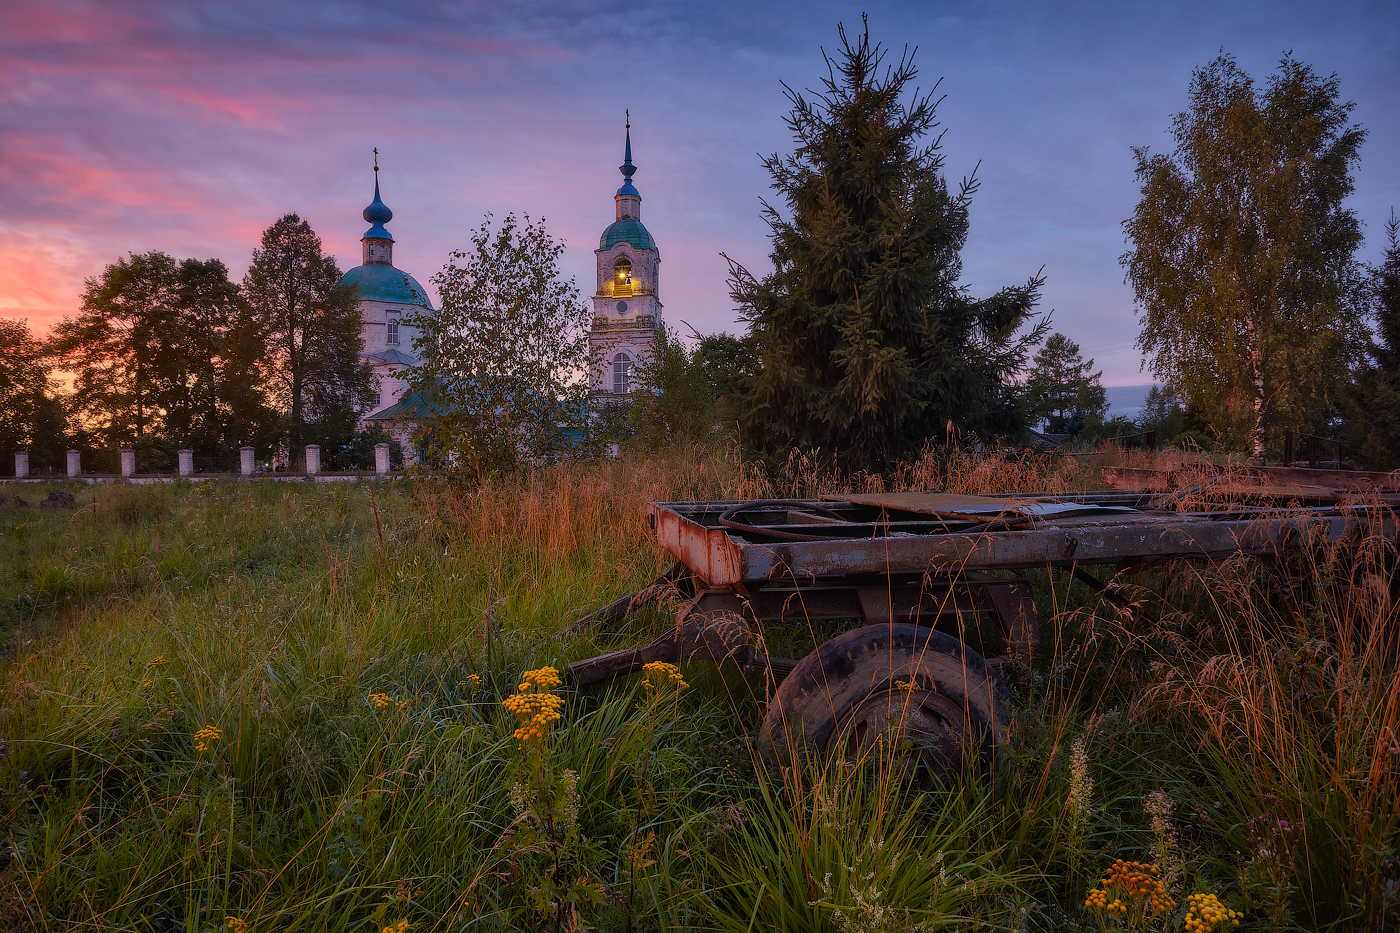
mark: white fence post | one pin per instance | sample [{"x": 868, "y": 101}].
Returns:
[
  {"x": 245, "y": 460},
  {"x": 313, "y": 459},
  {"x": 21, "y": 464},
  {"x": 128, "y": 463},
  {"x": 186, "y": 461},
  {"x": 381, "y": 459},
  {"x": 75, "y": 462}
]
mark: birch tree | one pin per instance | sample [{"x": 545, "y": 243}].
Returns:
[{"x": 1242, "y": 252}]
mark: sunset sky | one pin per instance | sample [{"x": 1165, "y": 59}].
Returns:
[{"x": 189, "y": 126}]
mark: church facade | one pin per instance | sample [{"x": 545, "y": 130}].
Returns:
[
  {"x": 626, "y": 306},
  {"x": 388, "y": 299}
]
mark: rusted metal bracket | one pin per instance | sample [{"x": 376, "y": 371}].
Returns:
[
  {"x": 706, "y": 637},
  {"x": 676, "y": 581}
]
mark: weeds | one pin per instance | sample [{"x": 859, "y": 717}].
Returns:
[{"x": 265, "y": 706}]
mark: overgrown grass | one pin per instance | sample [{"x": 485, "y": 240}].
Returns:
[{"x": 352, "y": 645}]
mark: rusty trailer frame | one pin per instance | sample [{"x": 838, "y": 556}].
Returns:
[{"x": 897, "y": 563}]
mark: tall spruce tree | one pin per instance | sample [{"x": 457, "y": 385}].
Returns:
[
  {"x": 1242, "y": 252},
  {"x": 311, "y": 324},
  {"x": 869, "y": 346}
]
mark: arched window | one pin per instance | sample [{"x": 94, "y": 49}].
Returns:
[
  {"x": 391, "y": 333},
  {"x": 622, "y": 374},
  {"x": 622, "y": 273}
]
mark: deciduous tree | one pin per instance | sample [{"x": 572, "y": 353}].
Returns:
[
  {"x": 151, "y": 356},
  {"x": 673, "y": 402},
  {"x": 730, "y": 365},
  {"x": 311, "y": 326},
  {"x": 27, "y": 405},
  {"x": 505, "y": 358},
  {"x": 1372, "y": 407},
  {"x": 112, "y": 347},
  {"x": 1242, "y": 251},
  {"x": 869, "y": 345},
  {"x": 1162, "y": 412}
]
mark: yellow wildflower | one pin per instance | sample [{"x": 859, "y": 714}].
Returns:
[
  {"x": 235, "y": 925},
  {"x": 1205, "y": 913},
  {"x": 158, "y": 661},
  {"x": 908, "y": 686},
  {"x": 205, "y": 738},
  {"x": 401, "y": 927},
  {"x": 381, "y": 700},
  {"x": 546, "y": 678},
  {"x": 1136, "y": 882},
  {"x": 659, "y": 673},
  {"x": 536, "y": 712}
]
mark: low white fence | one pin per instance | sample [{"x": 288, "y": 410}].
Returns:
[{"x": 247, "y": 469}]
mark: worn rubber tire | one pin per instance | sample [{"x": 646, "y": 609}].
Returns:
[{"x": 852, "y": 673}]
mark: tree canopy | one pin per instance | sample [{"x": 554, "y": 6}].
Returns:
[
  {"x": 150, "y": 352},
  {"x": 1063, "y": 388},
  {"x": 869, "y": 346},
  {"x": 673, "y": 401},
  {"x": 310, "y": 325},
  {"x": 1242, "y": 252},
  {"x": 1161, "y": 411},
  {"x": 1372, "y": 407},
  {"x": 502, "y": 377},
  {"x": 28, "y": 409}
]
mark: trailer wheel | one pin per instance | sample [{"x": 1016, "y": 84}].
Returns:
[{"x": 935, "y": 697}]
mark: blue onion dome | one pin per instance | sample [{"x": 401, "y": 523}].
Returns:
[{"x": 378, "y": 213}]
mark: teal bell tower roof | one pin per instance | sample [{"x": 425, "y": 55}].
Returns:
[{"x": 626, "y": 231}]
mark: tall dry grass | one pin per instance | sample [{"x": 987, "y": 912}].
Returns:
[
  {"x": 1291, "y": 685},
  {"x": 1265, "y": 717}
]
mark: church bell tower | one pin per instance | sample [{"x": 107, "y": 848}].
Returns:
[{"x": 626, "y": 307}]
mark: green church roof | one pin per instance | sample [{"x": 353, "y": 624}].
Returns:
[
  {"x": 412, "y": 407},
  {"x": 382, "y": 282},
  {"x": 626, "y": 231}
]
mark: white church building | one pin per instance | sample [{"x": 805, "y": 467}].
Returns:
[
  {"x": 388, "y": 299},
  {"x": 626, "y": 307}
]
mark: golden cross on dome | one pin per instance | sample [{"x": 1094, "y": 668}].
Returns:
[{"x": 376, "y": 158}]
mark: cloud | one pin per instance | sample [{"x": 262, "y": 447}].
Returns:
[{"x": 190, "y": 125}]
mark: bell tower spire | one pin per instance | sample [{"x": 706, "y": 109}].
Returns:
[
  {"x": 626, "y": 309},
  {"x": 628, "y": 198}
]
